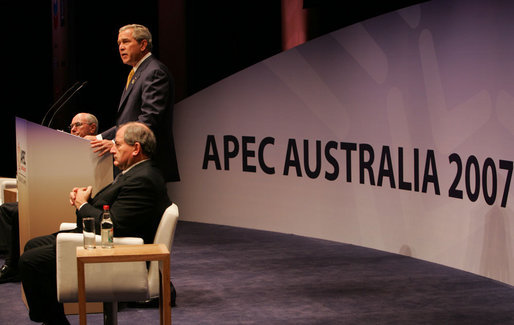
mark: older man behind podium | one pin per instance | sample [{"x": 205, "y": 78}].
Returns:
[
  {"x": 138, "y": 198},
  {"x": 82, "y": 124}
]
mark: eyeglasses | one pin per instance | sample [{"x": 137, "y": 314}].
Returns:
[{"x": 77, "y": 124}]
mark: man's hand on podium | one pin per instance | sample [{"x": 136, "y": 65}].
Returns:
[{"x": 101, "y": 146}]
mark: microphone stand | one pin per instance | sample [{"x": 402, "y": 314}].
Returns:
[
  {"x": 63, "y": 96},
  {"x": 67, "y": 99}
]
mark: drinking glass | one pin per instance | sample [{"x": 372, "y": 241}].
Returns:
[{"x": 89, "y": 232}]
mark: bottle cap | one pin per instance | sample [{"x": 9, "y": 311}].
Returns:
[{"x": 106, "y": 207}]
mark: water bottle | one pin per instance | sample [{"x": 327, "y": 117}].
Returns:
[{"x": 107, "y": 229}]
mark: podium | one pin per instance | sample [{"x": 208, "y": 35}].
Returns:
[{"x": 50, "y": 164}]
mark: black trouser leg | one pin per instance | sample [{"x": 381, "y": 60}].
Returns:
[
  {"x": 9, "y": 225},
  {"x": 38, "y": 276}
]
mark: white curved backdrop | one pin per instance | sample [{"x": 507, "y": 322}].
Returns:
[{"x": 395, "y": 133}]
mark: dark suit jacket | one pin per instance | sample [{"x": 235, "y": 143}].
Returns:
[
  {"x": 149, "y": 99},
  {"x": 137, "y": 200}
]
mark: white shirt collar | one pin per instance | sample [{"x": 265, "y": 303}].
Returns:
[
  {"x": 141, "y": 61},
  {"x": 126, "y": 170}
]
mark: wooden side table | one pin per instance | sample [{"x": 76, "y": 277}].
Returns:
[
  {"x": 128, "y": 253},
  {"x": 10, "y": 194}
]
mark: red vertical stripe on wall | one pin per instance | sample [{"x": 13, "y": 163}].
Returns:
[{"x": 294, "y": 23}]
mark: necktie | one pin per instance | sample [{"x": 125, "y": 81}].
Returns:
[{"x": 131, "y": 74}]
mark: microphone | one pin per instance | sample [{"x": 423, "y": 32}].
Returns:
[
  {"x": 67, "y": 99},
  {"x": 63, "y": 96}
]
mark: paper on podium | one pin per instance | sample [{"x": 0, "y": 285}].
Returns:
[{"x": 50, "y": 164}]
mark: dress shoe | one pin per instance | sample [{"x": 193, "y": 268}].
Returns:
[{"x": 9, "y": 274}]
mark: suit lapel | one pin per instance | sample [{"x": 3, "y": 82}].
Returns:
[
  {"x": 134, "y": 80},
  {"x": 127, "y": 91},
  {"x": 118, "y": 180},
  {"x": 111, "y": 190}
]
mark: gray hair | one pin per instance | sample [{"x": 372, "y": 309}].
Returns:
[
  {"x": 92, "y": 119},
  {"x": 139, "y": 132},
  {"x": 139, "y": 32}
]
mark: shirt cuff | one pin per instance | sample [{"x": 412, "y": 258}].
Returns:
[{"x": 99, "y": 137}]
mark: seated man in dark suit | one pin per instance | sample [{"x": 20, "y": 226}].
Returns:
[
  {"x": 137, "y": 197},
  {"x": 82, "y": 124}
]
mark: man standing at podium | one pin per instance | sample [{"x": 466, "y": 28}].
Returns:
[
  {"x": 82, "y": 124},
  {"x": 148, "y": 97}
]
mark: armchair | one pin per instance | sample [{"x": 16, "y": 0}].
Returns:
[{"x": 111, "y": 282}]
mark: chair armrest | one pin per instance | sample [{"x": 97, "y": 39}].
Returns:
[
  {"x": 9, "y": 183},
  {"x": 104, "y": 281},
  {"x": 67, "y": 226}
]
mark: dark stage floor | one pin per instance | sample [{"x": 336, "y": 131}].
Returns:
[{"x": 228, "y": 275}]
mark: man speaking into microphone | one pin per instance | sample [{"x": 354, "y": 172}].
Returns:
[{"x": 147, "y": 97}]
